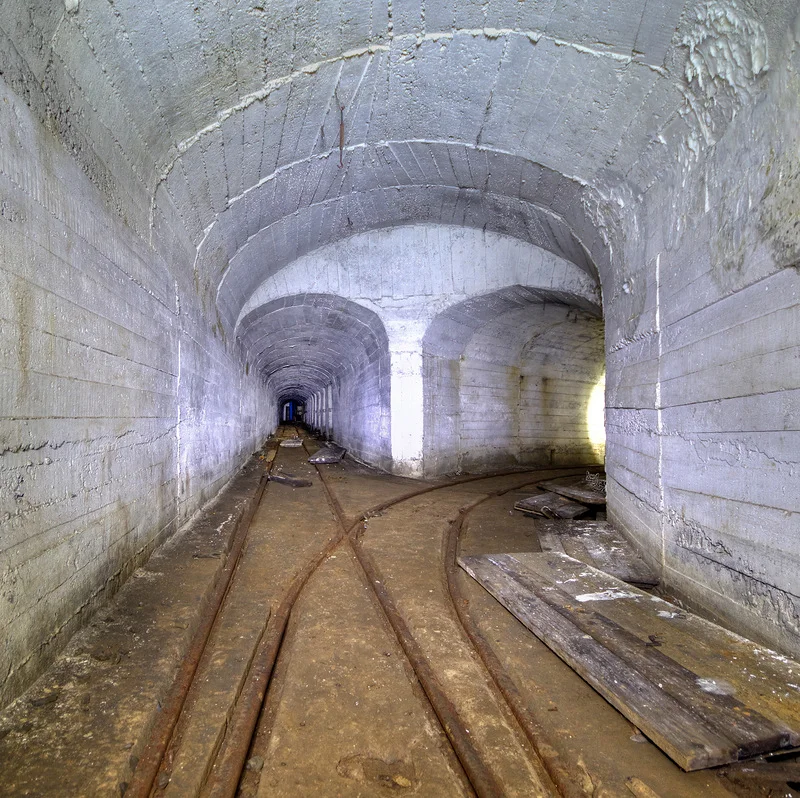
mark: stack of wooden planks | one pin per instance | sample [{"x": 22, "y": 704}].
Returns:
[
  {"x": 564, "y": 497},
  {"x": 596, "y": 543},
  {"x": 550, "y": 505},
  {"x": 704, "y": 695},
  {"x": 577, "y": 488}
]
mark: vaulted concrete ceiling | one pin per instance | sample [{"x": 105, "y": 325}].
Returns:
[
  {"x": 303, "y": 342},
  {"x": 261, "y": 129}
]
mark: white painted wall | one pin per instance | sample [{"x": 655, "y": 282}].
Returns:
[
  {"x": 120, "y": 413},
  {"x": 703, "y": 337}
]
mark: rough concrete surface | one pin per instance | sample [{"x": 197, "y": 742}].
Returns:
[{"x": 409, "y": 218}]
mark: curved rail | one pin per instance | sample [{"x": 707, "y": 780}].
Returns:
[
  {"x": 146, "y": 770},
  {"x": 225, "y": 776},
  {"x": 478, "y": 774},
  {"x": 554, "y": 767}
]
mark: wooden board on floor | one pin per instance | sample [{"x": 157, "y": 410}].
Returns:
[
  {"x": 574, "y": 487},
  {"x": 550, "y": 505},
  {"x": 704, "y": 695},
  {"x": 596, "y": 543}
]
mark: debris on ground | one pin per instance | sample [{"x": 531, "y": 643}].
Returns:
[
  {"x": 289, "y": 479},
  {"x": 578, "y": 488},
  {"x": 327, "y": 455},
  {"x": 550, "y": 505},
  {"x": 599, "y": 544}
]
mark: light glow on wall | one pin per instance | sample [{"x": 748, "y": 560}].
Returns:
[{"x": 596, "y": 416}]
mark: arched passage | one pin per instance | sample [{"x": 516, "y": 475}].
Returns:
[
  {"x": 330, "y": 355},
  {"x": 508, "y": 378}
]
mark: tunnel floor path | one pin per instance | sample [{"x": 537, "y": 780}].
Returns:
[{"x": 350, "y": 657}]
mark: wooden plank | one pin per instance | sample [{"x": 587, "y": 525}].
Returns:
[
  {"x": 691, "y": 746},
  {"x": 573, "y": 488},
  {"x": 550, "y": 505},
  {"x": 669, "y": 702},
  {"x": 753, "y": 733},
  {"x": 598, "y": 544},
  {"x": 760, "y": 678}
]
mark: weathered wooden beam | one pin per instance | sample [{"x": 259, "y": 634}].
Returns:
[
  {"x": 694, "y": 715},
  {"x": 550, "y": 505}
]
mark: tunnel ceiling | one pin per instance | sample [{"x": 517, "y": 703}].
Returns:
[
  {"x": 510, "y": 308},
  {"x": 223, "y": 120},
  {"x": 304, "y": 343}
]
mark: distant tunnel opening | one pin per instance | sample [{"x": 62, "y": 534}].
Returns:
[
  {"x": 325, "y": 359},
  {"x": 292, "y": 411}
]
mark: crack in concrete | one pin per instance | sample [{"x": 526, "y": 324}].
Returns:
[{"x": 534, "y": 36}]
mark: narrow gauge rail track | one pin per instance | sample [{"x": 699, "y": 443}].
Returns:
[{"x": 222, "y": 778}]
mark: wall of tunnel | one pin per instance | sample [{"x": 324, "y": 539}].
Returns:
[
  {"x": 703, "y": 353},
  {"x": 508, "y": 381},
  {"x": 123, "y": 413},
  {"x": 181, "y": 251}
]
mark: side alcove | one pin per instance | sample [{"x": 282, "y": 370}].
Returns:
[{"x": 509, "y": 377}]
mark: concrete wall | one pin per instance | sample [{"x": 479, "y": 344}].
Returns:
[
  {"x": 658, "y": 148},
  {"x": 509, "y": 378},
  {"x": 409, "y": 277},
  {"x": 361, "y": 419},
  {"x": 703, "y": 334},
  {"x": 120, "y": 413}
]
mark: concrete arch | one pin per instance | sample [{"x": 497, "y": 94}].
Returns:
[
  {"x": 507, "y": 378},
  {"x": 319, "y": 345},
  {"x": 462, "y": 185},
  {"x": 431, "y": 266}
]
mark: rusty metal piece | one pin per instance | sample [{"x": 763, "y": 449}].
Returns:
[
  {"x": 144, "y": 775},
  {"x": 223, "y": 781},
  {"x": 556, "y": 772},
  {"x": 341, "y": 136}
]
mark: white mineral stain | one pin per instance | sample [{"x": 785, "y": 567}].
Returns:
[
  {"x": 606, "y": 595},
  {"x": 715, "y": 686}
]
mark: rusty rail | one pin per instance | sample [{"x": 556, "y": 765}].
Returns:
[
  {"x": 226, "y": 773},
  {"x": 549, "y": 757},
  {"x": 478, "y": 774},
  {"x": 144, "y": 775}
]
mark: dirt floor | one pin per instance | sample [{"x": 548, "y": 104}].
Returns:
[{"x": 381, "y": 637}]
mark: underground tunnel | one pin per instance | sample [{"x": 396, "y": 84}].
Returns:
[{"x": 467, "y": 250}]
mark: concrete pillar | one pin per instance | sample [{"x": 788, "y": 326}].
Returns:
[{"x": 405, "y": 357}]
